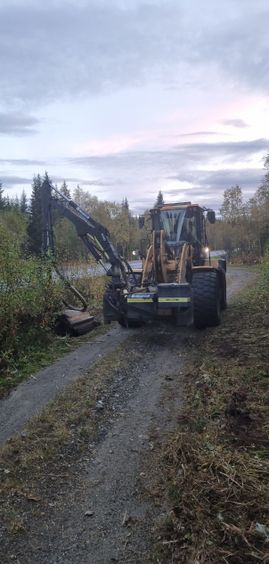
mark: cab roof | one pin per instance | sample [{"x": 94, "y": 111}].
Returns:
[{"x": 177, "y": 205}]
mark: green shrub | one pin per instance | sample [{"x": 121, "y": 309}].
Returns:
[
  {"x": 28, "y": 299},
  {"x": 264, "y": 278}
]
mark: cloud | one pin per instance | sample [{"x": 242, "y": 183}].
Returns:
[
  {"x": 182, "y": 172},
  {"x": 246, "y": 178},
  {"x": 22, "y": 162},
  {"x": 196, "y": 133},
  {"x": 184, "y": 154},
  {"x": 234, "y": 122},
  {"x": 64, "y": 49},
  {"x": 187, "y": 171},
  {"x": 83, "y": 182},
  {"x": 17, "y": 124},
  {"x": 225, "y": 150},
  {"x": 218, "y": 180},
  {"x": 235, "y": 48},
  {"x": 10, "y": 181},
  {"x": 209, "y": 185},
  {"x": 179, "y": 169}
]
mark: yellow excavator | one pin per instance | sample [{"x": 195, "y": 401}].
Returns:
[{"x": 177, "y": 280}]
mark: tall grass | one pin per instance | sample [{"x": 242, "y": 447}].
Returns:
[
  {"x": 264, "y": 275},
  {"x": 28, "y": 301}
]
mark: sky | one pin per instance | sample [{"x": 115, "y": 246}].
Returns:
[{"x": 129, "y": 97}]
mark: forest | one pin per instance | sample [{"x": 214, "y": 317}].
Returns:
[{"x": 27, "y": 315}]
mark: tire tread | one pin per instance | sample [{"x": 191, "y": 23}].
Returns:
[{"x": 206, "y": 299}]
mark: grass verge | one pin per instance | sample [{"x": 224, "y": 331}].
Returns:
[
  {"x": 39, "y": 354},
  {"x": 38, "y": 465},
  {"x": 215, "y": 469}
]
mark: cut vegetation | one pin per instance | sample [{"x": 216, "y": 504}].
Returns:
[{"x": 215, "y": 469}]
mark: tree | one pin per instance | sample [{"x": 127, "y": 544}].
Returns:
[
  {"x": 117, "y": 218},
  {"x": 68, "y": 245},
  {"x": 234, "y": 228},
  {"x": 2, "y": 198},
  {"x": 232, "y": 208},
  {"x": 15, "y": 224},
  {"x": 259, "y": 213},
  {"x": 16, "y": 203},
  {"x": 35, "y": 225},
  {"x": 65, "y": 190},
  {"x": 23, "y": 203},
  {"x": 160, "y": 200},
  {"x": 85, "y": 200},
  {"x": 266, "y": 166},
  {"x": 125, "y": 204}
]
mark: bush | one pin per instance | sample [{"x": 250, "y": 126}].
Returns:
[
  {"x": 28, "y": 299},
  {"x": 264, "y": 279}
]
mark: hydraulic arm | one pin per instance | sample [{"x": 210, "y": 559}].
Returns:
[
  {"x": 94, "y": 235},
  {"x": 97, "y": 240}
]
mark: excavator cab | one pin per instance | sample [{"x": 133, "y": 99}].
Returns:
[
  {"x": 178, "y": 241},
  {"x": 181, "y": 223}
]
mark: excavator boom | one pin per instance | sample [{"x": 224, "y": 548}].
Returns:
[
  {"x": 93, "y": 234},
  {"x": 97, "y": 240}
]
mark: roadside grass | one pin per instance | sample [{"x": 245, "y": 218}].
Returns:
[
  {"x": 35, "y": 465},
  {"x": 46, "y": 349},
  {"x": 215, "y": 468},
  {"x": 37, "y": 346}
]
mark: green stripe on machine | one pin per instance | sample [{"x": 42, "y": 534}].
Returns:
[
  {"x": 139, "y": 301},
  {"x": 178, "y": 300}
]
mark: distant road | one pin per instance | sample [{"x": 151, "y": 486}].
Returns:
[{"x": 95, "y": 270}]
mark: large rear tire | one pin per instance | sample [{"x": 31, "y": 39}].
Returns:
[{"x": 206, "y": 293}]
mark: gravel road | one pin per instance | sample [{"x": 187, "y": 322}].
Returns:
[
  {"x": 29, "y": 397},
  {"x": 105, "y": 516}
]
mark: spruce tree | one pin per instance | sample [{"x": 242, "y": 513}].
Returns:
[
  {"x": 23, "y": 203},
  {"x": 65, "y": 190},
  {"x": 16, "y": 203},
  {"x": 34, "y": 229},
  {"x": 160, "y": 200},
  {"x": 8, "y": 203},
  {"x": 2, "y": 198},
  {"x": 125, "y": 204}
]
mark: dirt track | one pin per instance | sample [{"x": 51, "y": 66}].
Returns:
[
  {"x": 100, "y": 514},
  {"x": 29, "y": 397}
]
